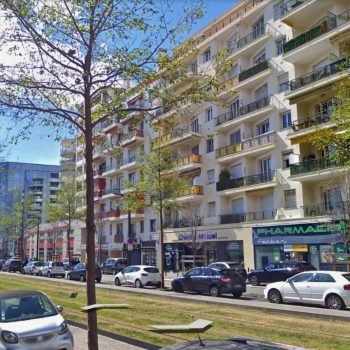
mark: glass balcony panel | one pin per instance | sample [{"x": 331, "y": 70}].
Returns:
[
  {"x": 312, "y": 165},
  {"x": 258, "y": 68}
]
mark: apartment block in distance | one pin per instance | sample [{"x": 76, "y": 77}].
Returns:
[
  {"x": 40, "y": 179},
  {"x": 260, "y": 191}
]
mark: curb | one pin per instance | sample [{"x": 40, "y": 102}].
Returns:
[{"x": 118, "y": 337}]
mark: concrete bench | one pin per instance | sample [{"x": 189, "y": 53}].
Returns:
[
  {"x": 198, "y": 326},
  {"x": 96, "y": 307}
]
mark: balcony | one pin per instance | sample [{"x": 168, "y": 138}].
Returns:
[
  {"x": 183, "y": 223},
  {"x": 111, "y": 214},
  {"x": 259, "y": 180},
  {"x": 318, "y": 78},
  {"x": 135, "y": 136},
  {"x": 138, "y": 214},
  {"x": 130, "y": 163},
  {"x": 253, "y": 76},
  {"x": 67, "y": 151},
  {"x": 189, "y": 194},
  {"x": 310, "y": 122},
  {"x": 256, "y": 145},
  {"x": 112, "y": 146},
  {"x": 318, "y": 39},
  {"x": 312, "y": 170},
  {"x": 247, "y": 217},
  {"x": 111, "y": 192},
  {"x": 187, "y": 163},
  {"x": 178, "y": 135},
  {"x": 339, "y": 209},
  {"x": 111, "y": 124},
  {"x": 252, "y": 110},
  {"x": 225, "y": 88},
  {"x": 112, "y": 170}
]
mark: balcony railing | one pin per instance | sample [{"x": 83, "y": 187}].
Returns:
[
  {"x": 311, "y": 121},
  {"x": 193, "y": 158},
  {"x": 249, "y": 108},
  {"x": 318, "y": 74},
  {"x": 227, "y": 84},
  {"x": 332, "y": 208},
  {"x": 258, "y": 68},
  {"x": 245, "y": 181},
  {"x": 131, "y": 134},
  {"x": 113, "y": 166},
  {"x": 194, "y": 189},
  {"x": 246, "y": 217},
  {"x": 288, "y": 7},
  {"x": 109, "y": 214},
  {"x": 178, "y": 132},
  {"x": 249, "y": 38},
  {"x": 312, "y": 165},
  {"x": 182, "y": 223},
  {"x": 256, "y": 141},
  {"x": 113, "y": 190},
  {"x": 130, "y": 160},
  {"x": 326, "y": 26}
]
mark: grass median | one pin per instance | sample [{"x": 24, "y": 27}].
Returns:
[{"x": 228, "y": 321}]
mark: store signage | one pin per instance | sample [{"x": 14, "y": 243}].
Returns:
[
  {"x": 298, "y": 229},
  {"x": 201, "y": 236},
  {"x": 295, "y": 248}
]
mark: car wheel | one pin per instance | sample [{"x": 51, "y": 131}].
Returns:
[
  {"x": 214, "y": 291},
  {"x": 178, "y": 288},
  {"x": 274, "y": 296},
  {"x": 138, "y": 284},
  {"x": 114, "y": 272},
  {"x": 82, "y": 279},
  {"x": 254, "y": 280},
  {"x": 237, "y": 294},
  {"x": 334, "y": 302},
  {"x": 117, "y": 281}
]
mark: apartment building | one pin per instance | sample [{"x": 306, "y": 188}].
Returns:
[
  {"x": 68, "y": 159},
  {"x": 260, "y": 191},
  {"x": 255, "y": 176},
  {"x": 39, "y": 179}
]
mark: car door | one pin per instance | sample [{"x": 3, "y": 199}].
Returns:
[
  {"x": 107, "y": 266},
  {"x": 269, "y": 274},
  {"x": 320, "y": 284},
  {"x": 44, "y": 269},
  {"x": 75, "y": 273},
  {"x": 124, "y": 274},
  {"x": 298, "y": 288},
  {"x": 133, "y": 275},
  {"x": 189, "y": 278},
  {"x": 201, "y": 282}
]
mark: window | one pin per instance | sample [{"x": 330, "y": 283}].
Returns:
[
  {"x": 153, "y": 225},
  {"x": 286, "y": 119},
  {"x": 332, "y": 198},
  {"x": 261, "y": 92},
  {"x": 142, "y": 226},
  {"x": 279, "y": 45},
  {"x": 265, "y": 166},
  {"x": 133, "y": 229},
  {"x": 209, "y": 114},
  {"x": 194, "y": 68},
  {"x": 283, "y": 82},
  {"x": 259, "y": 27},
  {"x": 286, "y": 157},
  {"x": 195, "y": 150},
  {"x": 110, "y": 229},
  {"x": 263, "y": 127},
  {"x": 234, "y": 108},
  {"x": 323, "y": 277},
  {"x": 195, "y": 126},
  {"x": 119, "y": 229},
  {"x": 304, "y": 277},
  {"x": 211, "y": 176},
  {"x": 211, "y": 209},
  {"x": 132, "y": 177},
  {"x": 290, "y": 200},
  {"x": 260, "y": 57},
  {"x": 235, "y": 137},
  {"x": 207, "y": 55},
  {"x": 210, "y": 146}
]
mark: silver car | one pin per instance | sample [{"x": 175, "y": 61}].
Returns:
[
  {"x": 52, "y": 269},
  {"x": 29, "y": 321},
  {"x": 32, "y": 267}
]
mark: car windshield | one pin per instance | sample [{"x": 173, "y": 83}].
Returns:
[
  {"x": 57, "y": 263},
  {"x": 38, "y": 264},
  {"x": 28, "y": 307}
]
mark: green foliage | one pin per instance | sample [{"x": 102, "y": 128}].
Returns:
[{"x": 224, "y": 175}]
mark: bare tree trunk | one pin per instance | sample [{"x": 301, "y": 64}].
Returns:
[
  {"x": 161, "y": 246},
  {"x": 90, "y": 228}
]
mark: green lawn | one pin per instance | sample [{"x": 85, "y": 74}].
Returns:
[{"x": 228, "y": 321}]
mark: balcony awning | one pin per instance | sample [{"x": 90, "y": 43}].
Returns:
[{"x": 301, "y": 139}]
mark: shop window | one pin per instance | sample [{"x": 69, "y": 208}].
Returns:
[{"x": 290, "y": 201}]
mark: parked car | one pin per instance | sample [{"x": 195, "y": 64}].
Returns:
[
  {"x": 327, "y": 288},
  {"x": 78, "y": 273},
  {"x": 223, "y": 265},
  {"x": 232, "y": 344},
  {"x": 32, "y": 267},
  {"x": 138, "y": 276},
  {"x": 29, "y": 321},
  {"x": 278, "y": 271},
  {"x": 12, "y": 265},
  {"x": 114, "y": 265},
  {"x": 52, "y": 269},
  {"x": 211, "y": 281}
]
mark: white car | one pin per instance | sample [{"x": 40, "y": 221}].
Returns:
[
  {"x": 32, "y": 267},
  {"x": 52, "y": 269},
  {"x": 138, "y": 276},
  {"x": 29, "y": 321},
  {"x": 327, "y": 288}
]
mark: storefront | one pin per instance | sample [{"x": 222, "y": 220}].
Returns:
[
  {"x": 213, "y": 245},
  {"x": 312, "y": 242},
  {"x": 148, "y": 253}
]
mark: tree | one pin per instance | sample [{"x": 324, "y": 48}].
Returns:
[
  {"x": 21, "y": 217},
  {"x": 66, "y": 208},
  {"x": 157, "y": 188},
  {"x": 73, "y": 64}
]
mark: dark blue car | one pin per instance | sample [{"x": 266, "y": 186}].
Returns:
[{"x": 210, "y": 281}]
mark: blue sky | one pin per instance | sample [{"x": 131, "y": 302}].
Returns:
[{"x": 41, "y": 148}]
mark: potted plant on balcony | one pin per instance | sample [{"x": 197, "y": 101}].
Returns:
[{"x": 224, "y": 175}]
